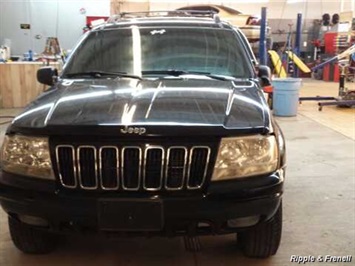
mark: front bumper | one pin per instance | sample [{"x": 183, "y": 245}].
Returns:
[{"x": 205, "y": 212}]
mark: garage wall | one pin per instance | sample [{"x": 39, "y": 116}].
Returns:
[
  {"x": 311, "y": 9},
  {"x": 64, "y": 19},
  {"x": 118, "y": 6}
]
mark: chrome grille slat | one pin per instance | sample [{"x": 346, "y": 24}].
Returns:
[
  {"x": 150, "y": 163},
  {"x": 173, "y": 167},
  {"x": 132, "y": 168},
  {"x": 192, "y": 163},
  {"x": 103, "y": 169},
  {"x": 63, "y": 179},
  {"x": 84, "y": 168},
  {"x": 126, "y": 161}
]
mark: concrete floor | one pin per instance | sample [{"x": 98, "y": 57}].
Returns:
[{"x": 319, "y": 210}]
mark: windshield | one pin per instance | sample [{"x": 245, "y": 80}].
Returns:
[{"x": 138, "y": 51}]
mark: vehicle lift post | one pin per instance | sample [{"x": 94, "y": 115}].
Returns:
[
  {"x": 297, "y": 49},
  {"x": 262, "y": 40}
]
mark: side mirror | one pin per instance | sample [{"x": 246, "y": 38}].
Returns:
[
  {"x": 47, "y": 75},
  {"x": 264, "y": 74}
]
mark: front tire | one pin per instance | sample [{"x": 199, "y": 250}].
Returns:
[
  {"x": 30, "y": 239},
  {"x": 263, "y": 240}
]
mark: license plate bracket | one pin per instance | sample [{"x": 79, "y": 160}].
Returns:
[{"x": 130, "y": 214}]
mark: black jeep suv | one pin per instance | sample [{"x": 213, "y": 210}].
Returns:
[{"x": 157, "y": 125}]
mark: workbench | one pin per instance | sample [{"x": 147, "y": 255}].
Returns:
[{"x": 18, "y": 83}]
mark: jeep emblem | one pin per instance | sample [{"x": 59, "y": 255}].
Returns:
[{"x": 133, "y": 130}]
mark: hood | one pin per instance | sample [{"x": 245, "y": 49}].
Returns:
[{"x": 130, "y": 102}]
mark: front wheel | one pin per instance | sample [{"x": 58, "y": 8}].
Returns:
[
  {"x": 263, "y": 240},
  {"x": 30, "y": 239}
]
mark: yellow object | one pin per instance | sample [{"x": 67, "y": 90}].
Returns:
[
  {"x": 299, "y": 63},
  {"x": 276, "y": 61}
]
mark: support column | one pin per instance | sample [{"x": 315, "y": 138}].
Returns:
[
  {"x": 262, "y": 41},
  {"x": 297, "y": 49}
]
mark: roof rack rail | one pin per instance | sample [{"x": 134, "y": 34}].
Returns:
[{"x": 165, "y": 13}]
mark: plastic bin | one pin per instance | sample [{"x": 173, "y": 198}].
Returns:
[{"x": 285, "y": 96}]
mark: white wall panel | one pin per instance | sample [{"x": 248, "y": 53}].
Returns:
[
  {"x": 44, "y": 22},
  {"x": 62, "y": 18},
  {"x": 48, "y": 18},
  {"x": 12, "y": 14}
]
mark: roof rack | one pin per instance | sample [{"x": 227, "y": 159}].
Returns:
[{"x": 168, "y": 13}]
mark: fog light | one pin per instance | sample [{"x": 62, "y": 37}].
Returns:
[
  {"x": 203, "y": 225},
  {"x": 32, "y": 220},
  {"x": 243, "y": 222}
]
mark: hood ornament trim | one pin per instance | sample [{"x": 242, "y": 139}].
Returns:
[{"x": 133, "y": 130}]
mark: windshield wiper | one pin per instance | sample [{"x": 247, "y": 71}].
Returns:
[
  {"x": 100, "y": 74},
  {"x": 177, "y": 73}
]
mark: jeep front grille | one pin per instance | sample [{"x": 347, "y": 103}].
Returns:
[{"x": 132, "y": 168}]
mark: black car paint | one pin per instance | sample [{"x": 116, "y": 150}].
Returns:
[
  {"x": 77, "y": 212},
  {"x": 187, "y": 107},
  {"x": 174, "y": 102}
]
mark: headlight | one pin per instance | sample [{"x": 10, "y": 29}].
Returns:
[
  {"x": 27, "y": 156},
  {"x": 245, "y": 156}
]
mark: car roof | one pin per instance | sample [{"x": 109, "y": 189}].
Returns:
[
  {"x": 170, "y": 18},
  {"x": 149, "y": 22}
]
